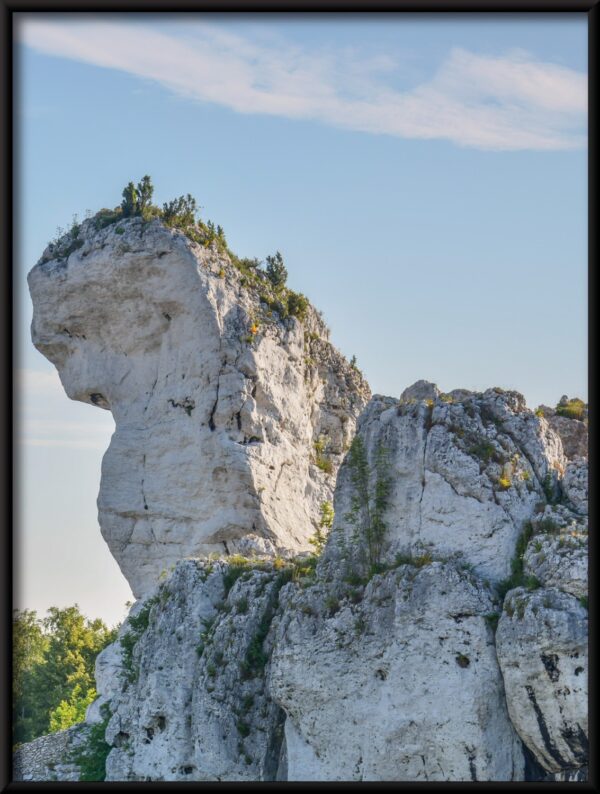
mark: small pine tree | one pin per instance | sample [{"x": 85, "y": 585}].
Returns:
[
  {"x": 145, "y": 190},
  {"x": 129, "y": 205},
  {"x": 276, "y": 270},
  {"x": 180, "y": 212}
]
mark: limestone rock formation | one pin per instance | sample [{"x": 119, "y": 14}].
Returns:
[
  {"x": 190, "y": 701},
  {"x": 466, "y": 473},
  {"x": 377, "y": 660},
  {"x": 218, "y": 403}
]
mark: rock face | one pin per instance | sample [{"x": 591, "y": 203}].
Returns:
[
  {"x": 397, "y": 680},
  {"x": 218, "y": 404},
  {"x": 190, "y": 702},
  {"x": 573, "y": 432},
  {"x": 542, "y": 636},
  {"x": 466, "y": 472},
  {"x": 542, "y": 648}
]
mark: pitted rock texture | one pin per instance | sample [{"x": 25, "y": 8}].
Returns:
[
  {"x": 466, "y": 473},
  {"x": 560, "y": 560},
  {"x": 394, "y": 681},
  {"x": 542, "y": 650},
  {"x": 191, "y": 701},
  {"x": 575, "y": 485},
  {"x": 217, "y": 402}
]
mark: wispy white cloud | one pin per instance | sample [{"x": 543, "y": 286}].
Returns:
[{"x": 487, "y": 102}]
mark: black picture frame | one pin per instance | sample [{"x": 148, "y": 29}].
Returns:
[{"x": 8, "y": 397}]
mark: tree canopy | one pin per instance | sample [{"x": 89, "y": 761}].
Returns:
[{"x": 53, "y": 669}]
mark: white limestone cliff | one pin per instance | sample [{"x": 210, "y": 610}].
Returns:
[{"x": 218, "y": 404}]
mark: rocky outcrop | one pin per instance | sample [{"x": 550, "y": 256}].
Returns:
[
  {"x": 230, "y": 421},
  {"x": 573, "y": 432},
  {"x": 542, "y": 649},
  {"x": 190, "y": 701},
  {"x": 465, "y": 471},
  {"x": 542, "y": 636}
]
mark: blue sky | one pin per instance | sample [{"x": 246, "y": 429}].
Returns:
[{"x": 425, "y": 178}]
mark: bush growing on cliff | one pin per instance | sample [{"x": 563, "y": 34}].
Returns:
[
  {"x": 297, "y": 305},
  {"x": 571, "y": 409},
  {"x": 137, "y": 199},
  {"x": 276, "y": 271},
  {"x": 180, "y": 212},
  {"x": 91, "y": 757},
  {"x": 369, "y": 502}
]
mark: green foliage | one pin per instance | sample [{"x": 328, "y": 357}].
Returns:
[
  {"x": 572, "y": 409},
  {"x": 492, "y": 619},
  {"x": 145, "y": 189},
  {"x": 137, "y": 199},
  {"x": 360, "y": 625},
  {"x": 130, "y": 201},
  {"x": 319, "y": 539},
  {"x": 297, "y": 304},
  {"x": 237, "y": 566},
  {"x": 332, "y": 605},
  {"x": 369, "y": 502},
  {"x": 517, "y": 577},
  {"x": 462, "y": 660},
  {"x": 322, "y": 459},
  {"x": 584, "y": 601},
  {"x": 70, "y": 712},
  {"x": 327, "y": 515},
  {"x": 106, "y": 217},
  {"x": 276, "y": 270},
  {"x": 549, "y": 490},
  {"x": 418, "y": 561},
  {"x": 180, "y": 212},
  {"x": 91, "y": 757},
  {"x": 53, "y": 669},
  {"x": 256, "y": 655},
  {"x": 136, "y": 625},
  {"x": 484, "y": 450},
  {"x": 243, "y": 728}
]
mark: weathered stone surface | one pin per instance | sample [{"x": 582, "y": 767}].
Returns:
[
  {"x": 573, "y": 433},
  {"x": 190, "y": 705},
  {"x": 217, "y": 402},
  {"x": 396, "y": 681},
  {"x": 575, "y": 485},
  {"x": 542, "y": 650},
  {"x": 421, "y": 390},
  {"x": 560, "y": 561},
  {"x": 48, "y": 758},
  {"x": 465, "y": 476}
]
